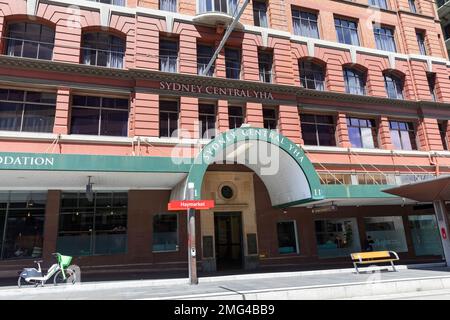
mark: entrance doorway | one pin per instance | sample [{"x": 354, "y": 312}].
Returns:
[{"x": 228, "y": 236}]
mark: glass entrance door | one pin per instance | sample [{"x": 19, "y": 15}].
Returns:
[{"x": 228, "y": 239}]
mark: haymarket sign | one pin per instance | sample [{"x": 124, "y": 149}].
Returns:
[{"x": 214, "y": 90}]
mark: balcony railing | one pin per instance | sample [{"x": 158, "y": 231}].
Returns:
[
  {"x": 168, "y": 63},
  {"x": 355, "y": 90},
  {"x": 313, "y": 84},
  {"x": 201, "y": 67},
  {"x": 29, "y": 49},
  {"x": 103, "y": 58},
  {"x": 372, "y": 178}
]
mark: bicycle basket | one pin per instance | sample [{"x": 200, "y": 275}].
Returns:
[{"x": 64, "y": 261}]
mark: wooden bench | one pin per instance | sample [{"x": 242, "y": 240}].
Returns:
[{"x": 374, "y": 257}]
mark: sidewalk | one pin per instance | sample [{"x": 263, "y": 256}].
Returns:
[{"x": 325, "y": 284}]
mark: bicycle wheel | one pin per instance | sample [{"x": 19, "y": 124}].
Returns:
[
  {"x": 71, "y": 277},
  {"x": 21, "y": 283}
]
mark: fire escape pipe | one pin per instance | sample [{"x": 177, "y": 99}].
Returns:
[{"x": 226, "y": 36}]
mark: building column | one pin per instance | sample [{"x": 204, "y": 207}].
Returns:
[
  {"x": 342, "y": 131},
  {"x": 146, "y": 114},
  {"x": 187, "y": 54},
  {"x": 189, "y": 118},
  {"x": 61, "y": 125},
  {"x": 289, "y": 122},
  {"x": 254, "y": 114},
  {"x": 442, "y": 221},
  {"x": 223, "y": 124},
  {"x": 385, "y": 133},
  {"x": 250, "y": 58},
  {"x": 66, "y": 34},
  {"x": 51, "y": 224},
  {"x": 429, "y": 136}
]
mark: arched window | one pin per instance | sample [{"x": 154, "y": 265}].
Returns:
[
  {"x": 312, "y": 75},
  {"x": 102, "y": 49},
  {"x": 355, "y": 81},
  {"x": 30, "y": 40},
  {"x": 394, "y": 86}
]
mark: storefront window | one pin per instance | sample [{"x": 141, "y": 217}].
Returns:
[
  {"x": 97, "y": 227},
  {"x": 165, "y": 232},
  {"x": 387, "y": 233},
  {"x": 425, "y": 235},
  {"x": 21, "y": 224},
  {"x": 287, "y": 237},
  {"x": 337, "y": 237}
]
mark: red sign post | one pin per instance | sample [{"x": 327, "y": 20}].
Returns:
[{"x": 191, "y": 206}]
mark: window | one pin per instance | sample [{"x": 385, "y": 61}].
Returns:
[
  {"x": 21, "y": 224},
  {"x": 425, "y": 235},
  {"x": 204, "y": 55},
  {"x": 207, "y": 120},
  {"x": 347, "y": 31},
  {"x": 265, "y": 66},
  {"x": 403, "y": 135},
  {"x": 270, "y": 118},
  {"x": 412, "y": 6},
  {"x": 287, "y": 237},
  {"x": 233, "y": 63},
  {"x": 103, "y": 50},
  {"x": 224, "y": 6},
  {"x": 312, "y": 75},
  {"x": 382, "y": 4},
  {"x": 113, "y": 2},
  {"x": 93, "y": 227},
  {"x": 318, "y": 130},
  {"x": 165, "y": 232},
  {"x": 260, "y": 14},
  {"x": 443, "y": 125},
  {"x": 168, "y": 118},
  {"x": 235, "y": 117},
  {"x": 387, "y": 233},
  {"x": 420, "y": 36},
  {"x": 337, "y": 237},
  {"x": 30, "y": 40},
  {"x": 393, "y": 85},
  {"x": 99, "y": 116},
  {"x": 168, "y": 5},
  {"x": 27, "y": 111},
  {"x": 168, "y": 55},
  {"x": 384, "y": 38},
  {"x": 431, "y": 77},
  {"x": 355, "y": 81},
  {"x": 305, "y": 24},
  {"x": 362, "y": 133}
]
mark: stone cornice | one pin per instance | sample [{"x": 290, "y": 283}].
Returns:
[{"x": 153, "y": 75}]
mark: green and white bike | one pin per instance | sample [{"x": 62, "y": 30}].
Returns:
[{"x": 63, "y": 273}]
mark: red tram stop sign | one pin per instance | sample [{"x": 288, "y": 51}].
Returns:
[{"x": 190, "y": 204}]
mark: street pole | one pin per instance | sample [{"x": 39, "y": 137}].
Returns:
[{"x": 192, "y": 252}]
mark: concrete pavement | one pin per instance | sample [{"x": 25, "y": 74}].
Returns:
[{"x": 327, "y": 284}]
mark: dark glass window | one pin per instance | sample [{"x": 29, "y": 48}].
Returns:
[
  {"x": 265, "y": 66},
  {"x": 420, "y": 36},
  {"x": 165, "y": 232},
  {"x": 27, "y": 111},
  {"x": 233, "y": 63},
  {"x": 412, "y": 6},
  {"x": 403, "y": 135},
  {"x": 318, "y": 130},
  {"x": 93, "y": 227},
  {"x": 168, "y": 118},
  {"x": 312, "y": 75},
  {"x": 287, "y": 237},
  {"x": 235, "y": 117},
  {"x": 168, "y": 5},
  {"x": 443, "y": 125},
  {"x": 431, "y": 77},
  {"x": 30, "y": 40},
  {"x": 113, "y": 2},
  {"x": 99, "y": 116},
  {"x": 270, "y": 118},
  {"x": 347, "y": 31},
  {"x": 168, "y": 55},
  {"x": 207, "y": 120},
  {"x": 224, "y": 6},
  {"x": 382, "y": 4},
  {"x": 305, "y": 24},
  {"x": 102, "y": 49},
  {"x": 260, "y": 14},
  {"x": 21, "y": 224},
  {"x": 385, "y": 38},
  {"x": 394, "y": 86},
  {"x": 362, "y": 133},
  {"x": 355, "y": 81},
  {"x": 204, "y": 55}
]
